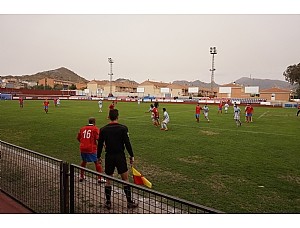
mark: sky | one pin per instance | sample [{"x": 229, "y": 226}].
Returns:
[
  {"x": 161, "y": 40},
  {"x": 157, "y": 45}
]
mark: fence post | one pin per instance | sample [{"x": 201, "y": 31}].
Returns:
[
  {"x": 72, "y": 173},
  {"x": 64, "y": 183}
]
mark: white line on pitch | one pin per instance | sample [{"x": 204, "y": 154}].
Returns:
[{"x": 262, "y": 114}]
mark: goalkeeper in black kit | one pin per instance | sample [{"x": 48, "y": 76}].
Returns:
[{"x": 115, "y": 138}]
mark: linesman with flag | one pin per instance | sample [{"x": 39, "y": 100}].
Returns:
[{"x": 115, "y": 138}]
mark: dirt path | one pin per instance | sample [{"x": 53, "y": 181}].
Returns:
[{"x": 10, "y": 206}]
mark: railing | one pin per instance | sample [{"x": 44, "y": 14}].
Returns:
[
  {"x": 88, "y": 196},
  {"x": 48, "y": 185},
  {"x": 32, "y": 178}
]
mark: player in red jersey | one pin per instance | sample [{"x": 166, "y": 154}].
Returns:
[
  {"x": 111, "y": 107},
  {"x": 249, "y": 112},
  {"x": 21, "y": 102},
  {"x": 88, "y": 136},
  {"x": 46, "y": 105},
  {"x": 55, "y": 101},
  {"x": 197, "y": 112},
  {"x": 220, "y": 107},
  {"x": 155, "y": 114}
]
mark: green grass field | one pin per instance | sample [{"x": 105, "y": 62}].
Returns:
[{"x": 249, "y": 169}]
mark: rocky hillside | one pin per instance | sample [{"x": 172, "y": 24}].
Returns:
[
  {"x": 124, "y": 80},
  {"x": 263, "y": 83},
  {"x": 68, "y": 75},
  {"x": 196, "y": 83},
  {"x": 59, "y": 74}
]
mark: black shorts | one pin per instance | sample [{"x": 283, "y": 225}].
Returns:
[{"x": 113, "y": 161}]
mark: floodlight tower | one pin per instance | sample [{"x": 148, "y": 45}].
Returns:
[
  {"x": 110, "y": 74},
  {"x": 213, "y": 51}
]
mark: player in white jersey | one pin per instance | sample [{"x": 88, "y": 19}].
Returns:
[
  {"x": 205, "y": 111},
  {"x": 165, "y": 120},
  {"x": 152, "y": 114},
  {"x": 236, "y": 115},
  {"x": 100, "y": 103},
  {"x": 226, "y": 106},
  {"x": 58, "y": 102}
]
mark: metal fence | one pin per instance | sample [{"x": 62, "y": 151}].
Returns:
[
  {"x": 31, "y": 178},
  {"x": 88, "y": 196},
  {"x": 48, "y": 185}
]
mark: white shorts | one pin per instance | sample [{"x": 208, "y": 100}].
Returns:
[
  {"x": 236, "y": 116},
  {"x": 166, "y": 121}
]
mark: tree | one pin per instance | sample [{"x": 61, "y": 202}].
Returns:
[
  {"x": 42, "y": 87},
  {"x": 73, "y": 87},
  {"x": 292, "y": 75},
  {"x": 57, "y": 87}
]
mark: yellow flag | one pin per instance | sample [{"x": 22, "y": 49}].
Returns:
[
  {"x": 139, "y": 179},
  {"x": 146, "y": 182}
]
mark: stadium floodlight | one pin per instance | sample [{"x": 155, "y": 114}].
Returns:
[
  {"x": 110, "y": 60},
  {"x": 213, "y": 51},
  {"x": 111, "y": 74}
]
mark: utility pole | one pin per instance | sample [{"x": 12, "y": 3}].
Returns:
[
  {"x": 110, "y": 78},
  {"x": 213, "y": 51}
]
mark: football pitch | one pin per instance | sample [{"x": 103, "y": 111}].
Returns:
[{"x": 249, "y": 169}]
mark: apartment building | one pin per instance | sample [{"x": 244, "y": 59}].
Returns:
[{"x": 60, "y": 83}]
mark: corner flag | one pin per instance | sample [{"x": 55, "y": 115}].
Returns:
[{"x": 139, "y": 179}]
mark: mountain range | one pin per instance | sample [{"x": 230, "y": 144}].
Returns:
[
  {"x": 61, "y": 73},
  {"x": 65, "y": 74},
  {"x": 244, "y": 81},
  {"x": 196, "y": 83},
  {"x": 264, "y": 83}
]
